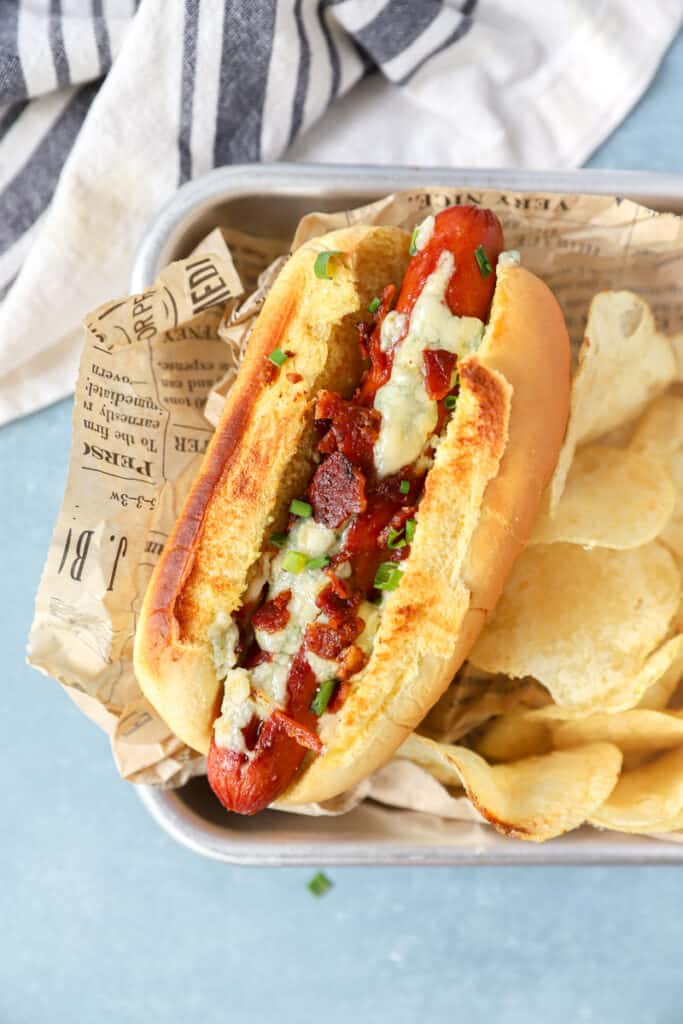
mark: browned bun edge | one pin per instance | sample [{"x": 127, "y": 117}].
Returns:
[
  {"x": 481, "y": 499},
  {"x": 257, "y": 461}
]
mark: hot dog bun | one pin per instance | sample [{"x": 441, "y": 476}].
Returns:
[
  {"x": 480, "y": 500},
  {"x": 258, "y": 460}
]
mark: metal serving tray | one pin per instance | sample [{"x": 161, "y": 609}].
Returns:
[{"x": 270, "y": 199}]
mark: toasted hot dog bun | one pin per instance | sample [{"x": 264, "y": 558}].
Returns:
[
  {"x": 258, "y": 460},
  {"x": 480, "y": 500}
]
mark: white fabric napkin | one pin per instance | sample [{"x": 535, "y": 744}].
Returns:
[{"x": 106, "y": 106}]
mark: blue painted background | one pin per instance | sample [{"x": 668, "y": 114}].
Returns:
[{"x": 104, "y": 919}]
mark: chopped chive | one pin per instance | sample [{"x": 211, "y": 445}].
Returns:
[
  {"x": 483, "y": 262},
  {"x": 294, "y": 561},
  {"x": 388, "y": 576},
  {"x": 317, "y": 563},
  {"x": 450, "y": 402},
  {"x": 319, "y": 884},
  {"x": 322, "y": 696},
  {"x": 412, "y": 248},
  {"x": 404, "y": 486},
  {"x": 278, "y": 540},
  {"x": 321, "y": 266},
  {"x": 374, "y": 305},
  {"x": 410, "y": 530},
  {"x": 301, "y": 508},
  {"x": 278, "y": 357},
  {"x": 395, "y": 539}
]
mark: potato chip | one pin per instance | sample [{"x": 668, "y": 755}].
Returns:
[
  {"x": 638, "y": 731},
  {"x": 647, "y": 799},
  {"x": 660, "y": 436},
  {"x": 660, "y": 692},
  {"x": 583, "y": 622},
  {"x": 513, "y": 737},
  {"x": 474, "y": 697},
  {"x": 613, "y": 498},
  {"x": 534, "y": 799},
  {"x": 623, "y": 364}
]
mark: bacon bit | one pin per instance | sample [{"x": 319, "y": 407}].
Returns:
[
  {"x": 351, "y": 661},
  {"x": 439, "y": 365},
  {"x": 337, "y": 491},
  {"x": 353, "y": 428},
  {"x": 328, "y": 641},
  {"x": 303, "y": 736},
  {"x": 335, "y": 606},
  {"x": 294, "y": 378},
  {"x": 337, "y": 585},
  {"x": 289, "y": 353},
  {"x": 338, "y": 697},
  {"x": 301, "y": 686},
  {"x": 273, "y": 615}
]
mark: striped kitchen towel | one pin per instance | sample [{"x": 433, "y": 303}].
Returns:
[{"x": 106, "y": 106}]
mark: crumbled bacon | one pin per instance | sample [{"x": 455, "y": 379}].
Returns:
[
  {"x": 353, "y": 428},
  {"x": 351, "y": 661},
  {"x": 337, "y": 491},
  {"x": 335, "y": 605},
  {"x": 273, "y": 615},
  {"x": 328, "y": 641},
  {"x": 439, "y": 365}
]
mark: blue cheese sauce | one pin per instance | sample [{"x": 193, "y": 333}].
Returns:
[{"x": 409, "y": 415}]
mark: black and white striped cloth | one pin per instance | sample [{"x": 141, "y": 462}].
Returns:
[{"x": 106, "y": 106}]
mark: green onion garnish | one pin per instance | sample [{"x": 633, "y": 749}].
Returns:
[
  {"x": 295, "y": 561},
  {"x": 301, "y": 508},
  {"x": 395, "y": 539},
  {"x": 404, "y": 486},
  {"x": 374, "y": 305},
  {"x": 450, "y": 401},
  {"x": 321, "y": 265},
  {"x": 412, "y": 248},
  {"x": 410, "y": 530},
  {"x": 388, "y": 576},
  {"x": 483, "y": 262},
  {"x": 278, "y": 540},
  {"x": 318, "y": 563},
  {"x": 319, "y": 884},
  {"x": 322, "y": 696},
  {"x": 278, "y": 357}
]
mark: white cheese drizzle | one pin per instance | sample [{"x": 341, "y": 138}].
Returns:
[
  {"x": 409, "y": 415},
  {"x": 424, "y": 232}
]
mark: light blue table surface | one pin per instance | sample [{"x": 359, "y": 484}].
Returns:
[{"x": 104, "y": 919}]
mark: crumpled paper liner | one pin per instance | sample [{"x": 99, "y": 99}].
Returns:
[{"x": 153, "y": 376}]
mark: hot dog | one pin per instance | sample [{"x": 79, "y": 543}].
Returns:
[{"x": 370, "y": 484}]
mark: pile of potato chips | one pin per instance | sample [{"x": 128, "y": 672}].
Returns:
[{"x": 569, "y": 708}]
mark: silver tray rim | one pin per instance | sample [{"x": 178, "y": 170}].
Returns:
[{"x": 584, "y": 846}]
